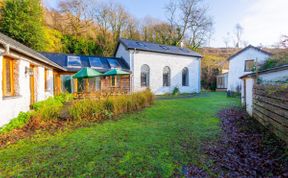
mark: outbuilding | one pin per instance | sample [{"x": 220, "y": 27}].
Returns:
[{"x": 161, "y": 68}]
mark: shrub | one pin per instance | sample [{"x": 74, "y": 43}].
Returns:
[
  {"x": 50, "y": 109},
  {"x": 275, "y": 61},
  {"x": 176, "y": 91},
  {"x": 20, "y": 121}
]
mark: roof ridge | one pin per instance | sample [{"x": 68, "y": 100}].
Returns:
[
  {"x": 25, "y": 49},
  {"x": 156, "y": 47},
  {"x": 247, "y": 47},
  {"x": 141, "y": 41}
]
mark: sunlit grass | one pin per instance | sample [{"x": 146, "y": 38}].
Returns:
[{"x": 155, "y": 142}]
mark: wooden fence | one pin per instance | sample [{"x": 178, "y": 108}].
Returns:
[{"x": 270, "y": 107}]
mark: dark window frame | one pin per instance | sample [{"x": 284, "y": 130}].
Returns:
[
  {"x": 145, "y": 76},
  {"x": 245, "y": 65},
  {"x": 166, "y": 76},
  {"x": 185, "y": 74}
]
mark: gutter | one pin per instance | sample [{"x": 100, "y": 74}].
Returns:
[{"x": 7, "y": 51}]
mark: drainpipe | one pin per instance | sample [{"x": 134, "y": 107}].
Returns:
[
  {"x": 132, "y": 56},
  {"x": 199, "y": 76},
  {"x": 7, "y": 49}
]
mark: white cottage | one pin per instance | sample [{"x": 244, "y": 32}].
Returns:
[
  {"x": 161, "y": 68},
  {"x": 243, "y": 63},
  {"x": 26, "y": 77}
]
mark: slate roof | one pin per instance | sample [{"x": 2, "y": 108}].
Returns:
[
  {"x": 15, "y": 45},
  {"x": 62, "y": 60},
  {"x": 274, "y": 69},
  {"x": 158, "y": 48},
  {"x": 248, "y": 47}
]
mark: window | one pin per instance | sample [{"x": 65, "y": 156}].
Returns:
[
  {"x": 249, "y": 65},
  {"x": 95, "y": 62},
  {"x": 140, "y": 44},
  {"x": 94, "y": 84},
  {"x": 8, "y": 77},
  {"x": 166, "y": 76},
  {"x": 74, "y": 61},
  {"x": 46, "y": 79},
  {"x": 115, "y": 81},
  {"x": 66, "y": 85},
  {"x": 185, "y": 77},
  {"x": 114, "y": 63},
  {"x": 145, "y": 75}
]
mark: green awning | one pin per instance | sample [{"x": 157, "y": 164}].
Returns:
[
  {"x": 116, "y": 72},
  {"x": 87, "y": 73}
]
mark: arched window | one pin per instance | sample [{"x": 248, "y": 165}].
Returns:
[
  {"x": 145, "y": 75},
  {"x": 166, "y": 76},
  {"x": 185, "y": 77}
]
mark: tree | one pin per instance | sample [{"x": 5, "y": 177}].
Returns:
[
  {"x": 284, "y": 41},
  {"x": 23, "y": 21},
  {"x": 227, "y": 40},
  {"x": 77, "y": 14},
  {"x": 53, "y": 40},
  {"x": 189, "y": 22},
  {"x": 238, "y": 34}
]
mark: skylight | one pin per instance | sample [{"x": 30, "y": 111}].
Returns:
[
  {"x": 164, "y": 47},
  {"x": 74, "y": 61},
  {"x": 114, "y": 63},
  {"x": 140, "y": 44},
  {"x": 95, "y": 62}
]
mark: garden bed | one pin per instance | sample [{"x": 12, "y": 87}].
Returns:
[
  {"x": 245, "y": 149},
  {"x": 62, "y": 112}
]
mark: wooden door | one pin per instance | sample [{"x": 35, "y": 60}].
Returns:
[{"x": 32, "y": 85}]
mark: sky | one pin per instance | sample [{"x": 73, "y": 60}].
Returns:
[{"x": 263, "y": 21}]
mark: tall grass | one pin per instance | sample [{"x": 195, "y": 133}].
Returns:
[
  {"x": 78, "y": 110},
  {"x": 89, "y": 109}
]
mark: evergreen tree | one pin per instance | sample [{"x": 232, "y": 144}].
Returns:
[{"x": 22, "y": 20}]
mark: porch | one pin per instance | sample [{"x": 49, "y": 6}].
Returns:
[{"x": 113, "y": 82}]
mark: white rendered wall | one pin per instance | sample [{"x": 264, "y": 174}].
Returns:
[
  {"x": 157, "y": 62},
  {"x": 237, "y": 66},
  {"x": 50, "y": 90},
  {"x": 249, "y": 95},
  {"x": 123, "y": 53},
  {"x": 10, "y": 107}
]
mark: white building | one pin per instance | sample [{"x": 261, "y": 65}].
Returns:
[
  {"x": 26, "y": 77},
  {"x": 243, "y": 62},
  {"x": 161, "y": 68},
  {"x": 267, "y": 76}
]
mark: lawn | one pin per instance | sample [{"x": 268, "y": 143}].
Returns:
[{"x": 158, "y": 141}]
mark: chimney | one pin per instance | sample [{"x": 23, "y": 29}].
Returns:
[{"x": 182, "y": 45}]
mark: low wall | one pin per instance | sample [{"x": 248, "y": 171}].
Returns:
[{"x": 270, "y": 108}]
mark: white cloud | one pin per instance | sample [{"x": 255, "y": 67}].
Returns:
[{"x": 265, "y": 21}]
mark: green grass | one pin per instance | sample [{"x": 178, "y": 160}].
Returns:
[{"x": 155, "y": 142}]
